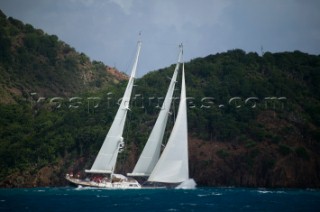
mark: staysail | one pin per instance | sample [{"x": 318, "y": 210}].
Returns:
[
  {"x": 173, "y": 166},
  {"x": 106, "y": 159},
  {"x": 151, "y": 152}
]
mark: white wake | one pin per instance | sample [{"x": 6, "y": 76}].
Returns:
[{"x": 188, "y": 184}]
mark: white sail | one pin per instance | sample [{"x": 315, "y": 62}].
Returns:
[
  {"x": 151, "y": 152},
  {"x": 173, "y": 166},
  {"x": 106, "y": 159}
]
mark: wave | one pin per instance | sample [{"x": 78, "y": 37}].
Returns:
[
  {"x": 270, "y": 192},
  {"x": 211, "y": 194}
]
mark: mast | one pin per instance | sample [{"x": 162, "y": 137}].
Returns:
[
  {"x": 105, "y": 161},
  {"x": 151, "y": 152},
  {"x": 173, "y": 166}
]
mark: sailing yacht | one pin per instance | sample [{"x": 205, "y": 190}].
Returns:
[
  {"x": 172, "y": 168},
  {"x": 102, "y": 170},
  {"x": 151, "y": 152}
]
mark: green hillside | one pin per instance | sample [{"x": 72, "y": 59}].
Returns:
[
  {"x": 33, "y": 61},
  {"x": 253, "y": 120}
]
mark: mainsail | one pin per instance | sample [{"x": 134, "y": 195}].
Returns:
[
  {"x": 106, "y": 159},
  {"x": 151, "y": 152},
  {"x": 173, "y": 166}
]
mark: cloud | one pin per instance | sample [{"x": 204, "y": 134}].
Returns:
[
  {"x": 179, "y": 13},
  {"x": 86, "y": 3},
  {"x": 125, "y": 5}
]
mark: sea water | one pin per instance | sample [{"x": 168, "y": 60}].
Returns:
[{"x": 199, "y": 199}]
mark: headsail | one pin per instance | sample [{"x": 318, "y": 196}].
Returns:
[
  {"x": 173, "y": 166},
  {"x": 106, "y": 159},
  {"x": 151, "y": 152}
]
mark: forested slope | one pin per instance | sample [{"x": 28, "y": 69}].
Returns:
[
  {"x": 33, "y": 61},
  {"x": 253, "y": 120}
]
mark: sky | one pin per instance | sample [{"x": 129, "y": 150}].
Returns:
[{"x": 108, "y": 30}]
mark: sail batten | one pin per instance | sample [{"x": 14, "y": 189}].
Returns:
[
  {"x": 151, "y": 152},
  {"x": 106, "y": 159}
]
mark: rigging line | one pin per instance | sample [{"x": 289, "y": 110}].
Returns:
[{"x": 131, "y": 59}]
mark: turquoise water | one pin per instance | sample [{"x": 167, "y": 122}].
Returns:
[{"x": 200, "y": 199}]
